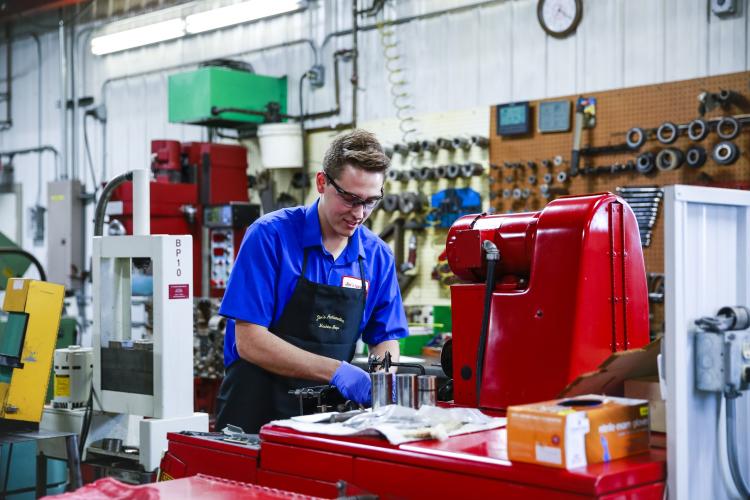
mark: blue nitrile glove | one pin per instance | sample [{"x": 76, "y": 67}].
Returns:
[{"x": 353, "y": 383}]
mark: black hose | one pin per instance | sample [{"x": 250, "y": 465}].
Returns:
[
  {"x": 734, "y": 466},
  {"x": 493, "y": 255},
  {"x": 30, "y": 256},
  {"x": 88, "y": 416},
  {"x": 101, "y": 205}
]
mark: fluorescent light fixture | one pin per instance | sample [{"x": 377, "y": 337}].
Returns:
[
  {"x": 238, "y": 13},
  {"x": 138, "y": 37}
]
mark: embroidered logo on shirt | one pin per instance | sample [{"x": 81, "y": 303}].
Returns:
[{"x": 352, "y": 282}]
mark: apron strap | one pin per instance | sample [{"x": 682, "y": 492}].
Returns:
[
  {"x": 304, "y": 264},
  {"x": 363, "y": 277},
  {"x": 361, "y": 272}
]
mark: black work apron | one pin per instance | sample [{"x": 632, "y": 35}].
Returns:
[{"x": 319, "y": 318}]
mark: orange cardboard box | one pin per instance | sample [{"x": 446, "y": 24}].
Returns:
[{"x": 574, "y": 432}]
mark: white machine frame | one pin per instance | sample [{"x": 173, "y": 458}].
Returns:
[
  {"x": 171, "y": 405},
  {"x": 707, "y": 249},
  {"x": 172, "y": 320}
]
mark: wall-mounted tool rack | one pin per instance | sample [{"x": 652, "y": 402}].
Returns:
[{"x": 529, "y": 170}]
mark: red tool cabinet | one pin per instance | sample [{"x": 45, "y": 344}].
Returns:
[{"x": 468, "y": 466}]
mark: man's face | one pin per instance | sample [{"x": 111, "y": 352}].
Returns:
[{"x": 345, "y": 208}]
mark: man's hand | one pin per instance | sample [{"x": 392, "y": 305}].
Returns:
[
  {"x": 353, "y": 383},
  {"x": 261, "y": 347}
]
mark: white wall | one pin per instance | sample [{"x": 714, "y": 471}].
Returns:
[{"x": 476, "y": 57}]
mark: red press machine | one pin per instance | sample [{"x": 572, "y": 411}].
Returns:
[
  {"x": 566, "y": 288},
  {"x": 200, "y": 189}
]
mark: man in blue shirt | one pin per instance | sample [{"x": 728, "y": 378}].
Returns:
[{"x": 308, "y": 281}]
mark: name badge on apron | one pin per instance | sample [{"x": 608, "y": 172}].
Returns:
[{"x": 352, "y": 282}]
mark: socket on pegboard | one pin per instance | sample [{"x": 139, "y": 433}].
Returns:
[{"x": 530, "y": 170}]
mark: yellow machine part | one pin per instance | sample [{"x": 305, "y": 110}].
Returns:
[
  {"x": 43, "y": 302},
  {"x": 15, "y": 295}
]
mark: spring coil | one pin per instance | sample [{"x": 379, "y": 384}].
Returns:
[{"x": 399, "y": 95}]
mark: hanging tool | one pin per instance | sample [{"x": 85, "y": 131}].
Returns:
[
  {"x": 411, "y": 259},
  {"x": 695, "y": 156},
  {"x": 667, "y": 133},
  {"x": 725, "y": 153},
  {"x": 575, "y": 156}
]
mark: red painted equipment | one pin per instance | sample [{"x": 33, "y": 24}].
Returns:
[
  {"x": 468, "y": 466},
  {"x": 190, "y": 177},
  {"x": 193, "y": 453},
  {"x": 570, "y": 290},
  {"x": 197, "y": 487}
]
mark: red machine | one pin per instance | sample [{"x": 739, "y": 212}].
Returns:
[
  {"x": 197, "y": 185},
  {"x": 570, "y": 290}
]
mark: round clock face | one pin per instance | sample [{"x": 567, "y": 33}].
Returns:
[{"x": 559, "y": 18}]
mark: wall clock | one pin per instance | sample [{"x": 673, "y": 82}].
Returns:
[{"x": 559, "y": 18}]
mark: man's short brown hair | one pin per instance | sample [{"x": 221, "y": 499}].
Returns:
[{"x": 358, "y": 148}]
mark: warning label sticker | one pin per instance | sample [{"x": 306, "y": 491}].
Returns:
[
  {"x": 179, "y": 291},
  {"x": 62, "y": 386}
]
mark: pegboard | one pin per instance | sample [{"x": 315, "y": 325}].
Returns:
[
  {"x": 425, "y": 291},
  {"x": 617, "y": 111}
]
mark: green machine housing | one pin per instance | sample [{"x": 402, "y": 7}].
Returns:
[
  {"x": 193, "y": 95},
  {"x": 11, "y": 265}
]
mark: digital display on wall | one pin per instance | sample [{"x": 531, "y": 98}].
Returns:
[{"x": 513, "y": 119}]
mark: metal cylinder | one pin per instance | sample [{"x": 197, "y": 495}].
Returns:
[
  {"x": 667, "y": 133},
  {"x": 669, "y": 159},
  {"x": 426, "y": 174},
  {"x": 725, "y": 153},
  {"x": 390, "y": 202},
  {"x": 697, "y": 129},
  {"x": 401, "y": 149},
  {"x": 382, "y": 389},
  {"x": 141, "y": 202},
  {"x": 430, "y": 146},
  {"x": 443, "y": 143},
  {"x": 427, "y": 390},
  {"x": 393, "y": 175},
  {"x": 461, "y": 142},
  {"x": 406, "y": 390},
  {"x": 74, "y": 368},
  {"x": 728, "y": 128},
  {"x": 696, "y": 156},
  {"x": 480, "y": 141},
  {"x": 635, "y": 137}
]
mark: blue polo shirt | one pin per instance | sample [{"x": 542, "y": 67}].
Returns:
[{"x": 269, "y": 264}]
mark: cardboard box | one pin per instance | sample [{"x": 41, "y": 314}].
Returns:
[
  {"x": 610, "y": 377},
  {"x": 648, "y": 388},
  {"x": 574, "y": 432}
]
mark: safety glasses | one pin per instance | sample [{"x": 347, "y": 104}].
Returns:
[{"x": 352, "y": 200}]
